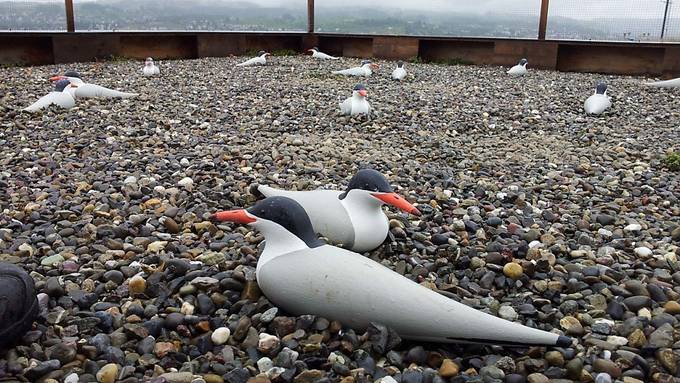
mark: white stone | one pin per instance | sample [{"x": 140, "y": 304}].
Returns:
[
  {"x": 507, "y": 313},
  {"x": 220, "y": 335},
  {"x": 633, "y": 227},
  {"x": 71, "y": 378},
  {"x": 159, "y": 189},
  {"x": 265, "y": 364},
  {"x": 386, "y": 379},
  {"x": 603, "y": 377},
  {"x": 130, "y": 180},
  {"x": 644, "y": 252},
  {"x": 185, "y": 182},
  {"x": 184, "y": 162},
  {"x": 617, "y": 340},
  {"x": 187, "y": 308}
]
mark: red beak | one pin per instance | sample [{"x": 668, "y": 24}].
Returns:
[
  {"x": 238, "y": 216},
  {"x": 397, "y": 201},
  {"x": 57, "y": 78},
  {"x": 363, "y": 93}
]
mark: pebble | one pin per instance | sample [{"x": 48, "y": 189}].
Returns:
[{"x": 531, "y": 211}]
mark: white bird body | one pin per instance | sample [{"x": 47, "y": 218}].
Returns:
[
  {"x": 150, "y": 69},
  {"x": 597, "y": 104},
  {"x": 519, "y": 69},
  {"x": 674, "y": 83},
  {"x": 399, "y": 73},
  {"x": 322, "y": 56},
  {"x": 355, "y": 105},
  {"x": 300, "y": 274},
  {"x": 356, "y": 222},
  {"x": 80, "y": 89},
  {"x": 364, "y": 70},
  {"x": 62, "y": 99},
  {"x": 259, "y": 60}
]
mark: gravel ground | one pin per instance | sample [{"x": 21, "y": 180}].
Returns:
[{"x": 532, "y": 211}]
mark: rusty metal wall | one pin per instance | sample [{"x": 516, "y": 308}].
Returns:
[{"x": 36, "y": 48}]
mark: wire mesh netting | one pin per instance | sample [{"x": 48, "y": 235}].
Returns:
[
  {"x": 621, "y": 20},
  {"x": 490, "y": 18},
  {"x": 672, "y": 30},
  {"x": 25, "y": 15},
  {"x": 205, "y": 15}
]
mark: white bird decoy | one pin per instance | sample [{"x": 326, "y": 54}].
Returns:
[
  {"x": 598, "y": 102},
  {"x": 80, "y": 89},
  {"x": 399, "y": 72},
  {"x": 519, "y": 69},
  {"x": 674, "y": 83},
  {"x": 357, "y": 104},
  {"x": 366, "y": 69},
  {"x": 353, "y": 218},
  {"x": 150, "y": 69},
  {"x": 300, "y": 274},
  {"x": 320, "y": 55},
  {"x": 60, "y": 96},
  {"x": 261, "y": 59}
]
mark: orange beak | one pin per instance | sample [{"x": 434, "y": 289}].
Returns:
[
  {"x": 238, "y": 216},
  {"x": 363, "y": 93},
  {"x": 57, "y": 78},
  {"x": 397, "y": 201},
  {"x": 375, "y": 66}
]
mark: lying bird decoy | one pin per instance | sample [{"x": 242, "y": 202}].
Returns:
[
  {"x": 366, "y": 69},
  {"x": 320, "y": 55},
  {"x": 353, "y": 218},
  {"x": 674, "y": 83},
  {"x": 357, "y": 104},
  {"x": 399, "y": 72},
  {"x": 519, "y": 69},
  {"x": 598, "y": 102},
  {"x": 80, "y": 89},
  {"x": 261, "y": 59},
  {"x": 300, "y": 274},
  {"x": 60, "y": 96},
  {"x": 150, "y": 69}
]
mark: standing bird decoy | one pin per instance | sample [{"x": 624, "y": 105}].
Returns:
[
  {"x": 357, "y": 104},
  {"x": 399, "y": 72},
  {"x": 598, "y": 102},
  {"x": 519, "y": 69},
  {"x": 150, "y": 69}
]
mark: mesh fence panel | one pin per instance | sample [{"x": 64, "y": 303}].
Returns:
[
  {"x": 204, "y": 15},
  {"x": 673, "y": 22},
  {"x": 622, "y": 20},
  {"x": 490, "y": 18},
  {"x": 20, "y": 15}
]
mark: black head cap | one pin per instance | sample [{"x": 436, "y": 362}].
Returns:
[
  {"x": 359, "y": 87},
  {"x": 400, "y": 64},
  {"x": 60, "y": 85},
  {"x": 289, "y": 214},
  {"x": 316, "y": 48},
  {"x": 364, "y": 62},
  {"x": 601, "y": 88},
  {"x": 72, "y": 73},
  {"x": 260, "y": 53},
  {"x": 368, "y": 179},
  {"x": 523, "y": 61}
]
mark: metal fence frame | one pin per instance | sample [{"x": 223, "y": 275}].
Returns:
[{"x": 542, "y": 22}]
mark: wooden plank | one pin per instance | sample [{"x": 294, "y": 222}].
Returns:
[
  {"x": 70, "y": 19},
  {"x": 395, "y": 47},
  {"x": 543, "y": 21}
]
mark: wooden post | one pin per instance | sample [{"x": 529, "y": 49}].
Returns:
[
  {"x": 665, "y": 19},
  {"x": 70, "y": 21},
  {"x": 310, "y": 16},
  {"x": 543, "y": 21}
]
